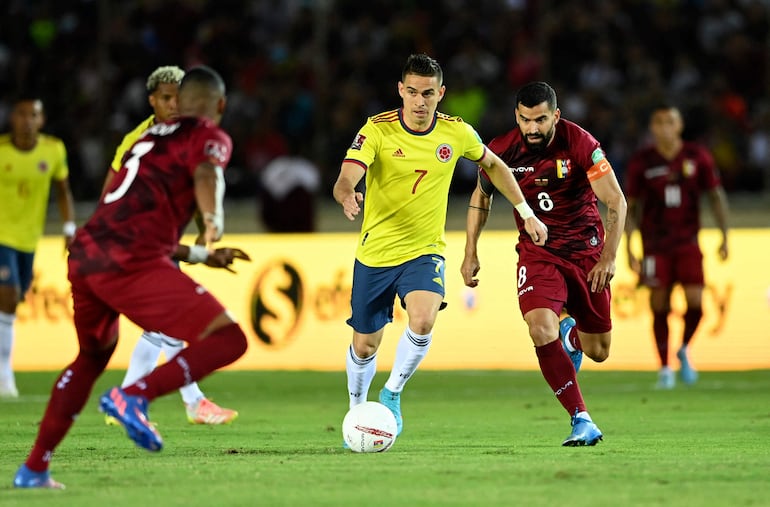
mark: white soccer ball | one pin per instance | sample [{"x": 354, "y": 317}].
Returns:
[{"x": 369, "y": 427}]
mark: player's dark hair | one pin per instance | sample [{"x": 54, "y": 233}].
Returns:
[
  {"x": 422, "y": 65},
  {"x": 25, "y": 97},
  {"x": 204, "y": 76},
  {"x": 537, "y": 92},
  {"x": 663, "y": 105}
]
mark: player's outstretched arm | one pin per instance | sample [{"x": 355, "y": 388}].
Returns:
[
  {"x": 502, "y": 177},
  {"x": 478, "y": 212},
  {"x": 345, "y": 189},
  {"x": 220, "y": 258}
]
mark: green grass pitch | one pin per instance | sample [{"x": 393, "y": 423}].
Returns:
[{"x": 470, "y": 438}]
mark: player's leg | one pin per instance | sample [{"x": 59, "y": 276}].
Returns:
[
  {"x": 199, "y": 409},
  {"x": 144, "y": 358},
  {"x": 371, "y": 302},
  {"x": 542, "y": 289},
  {"x": 97, "y": 328},
  {"x": 660, "y": 306},
  {"x": 689, "y": 272},
  {"x": 420, "y": 285},
  {"x": 15, "y": 279},
  {"x": 657, "y": 274},
  {"x": 214, "y": 339}
]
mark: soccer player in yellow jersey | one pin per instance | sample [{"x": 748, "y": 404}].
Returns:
[
  {"x": 408, "y": 156},
  {"x": 30, "y": 162},
  {"x": 162, "y": 88}
]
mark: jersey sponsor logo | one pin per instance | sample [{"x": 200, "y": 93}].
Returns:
[
  {"x": 563, "y": 167},
  {"x": 597, "y": 155},
  {"x": 358, "y": 142},
  {"x": 216, "y": 150},
  {"x": 688, "y": 168},
  {"x": 444, "y": 152},
  {"x": 398, "y": 153},
  {"x": 522, "y": 169},
  {"x": 526, "y": 289},
  {"x": 162, "y": 129}
]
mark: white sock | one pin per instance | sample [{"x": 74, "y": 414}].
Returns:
[
  {"x": 360, "y": 375},
  {"x": 191, "y": 393},
  {"x": 6, "y": 347},
  {"x": 143, "y": 359},
  {"x": 584, "y": 415},
  {"x": 411, "y": 350}
]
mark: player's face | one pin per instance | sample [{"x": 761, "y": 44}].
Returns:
[
  {"x": 421, "y": 95},
  {"x": 666, "y": 125},
  {"x": 164, "y": 101},
  {"x": 27, "y": 118},
  {"x": 537, "y": 125}
]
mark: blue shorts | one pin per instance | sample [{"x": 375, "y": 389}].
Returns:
[
  {"x": 374, "y": 289},
  {"x": 16, "y": 268}
]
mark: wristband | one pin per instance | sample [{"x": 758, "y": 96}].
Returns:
[
  {"x": 198, "y": 253},
  {"x": 524, "y": 210},
  {"x": 69, "y": 228}
]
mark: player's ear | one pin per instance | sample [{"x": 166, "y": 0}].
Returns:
[
  {"x": 221, "y": 103},
  {"x": 441, "y": 92}
]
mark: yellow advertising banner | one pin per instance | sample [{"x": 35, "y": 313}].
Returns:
[{"x": 293, "y": 298}]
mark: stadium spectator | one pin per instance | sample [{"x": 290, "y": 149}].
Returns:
[
  {"x": 32, "y": 163},
  {"x": 664, "y": 183},
  {"x": 119, "y": 263},
  {"x": 162, "y": 89},
  {"x": 400, "y": 251},
  {"x": 562, "y": 170}
]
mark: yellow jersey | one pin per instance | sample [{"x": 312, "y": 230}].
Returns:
[
  {"x": 408, "y": 174},
  {"x": 129, "y": 140},
  {"x": 25, "y": 186}
]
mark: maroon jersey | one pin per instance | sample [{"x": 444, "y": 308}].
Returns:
[
  {"x": 556, "y": 185},
  {"x": 151, "y": 199},
  {"x": 669, "y": 192}
]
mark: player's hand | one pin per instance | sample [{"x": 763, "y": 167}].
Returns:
[
  {"x": 537, "y": 230},
  {"x": 469, "y": 269},
  {"x": 601, "y": 275},
  {"x": 723, "y": 252},
  {"x": 350, "y": 205},
  {"x": 224, "y": 257}
]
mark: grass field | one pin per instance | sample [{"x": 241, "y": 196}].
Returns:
[{"x": 470, "y": 438}]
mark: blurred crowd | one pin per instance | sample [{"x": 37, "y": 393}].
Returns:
[{"x": 303, "y": 75}]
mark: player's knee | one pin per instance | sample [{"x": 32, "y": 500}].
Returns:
[{"x": 364, "y": 350}]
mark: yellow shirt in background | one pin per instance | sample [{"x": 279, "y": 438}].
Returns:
[{"x": 25, "y": 186}]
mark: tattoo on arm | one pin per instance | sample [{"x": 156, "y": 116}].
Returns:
[{"x": 612, "y": 219}]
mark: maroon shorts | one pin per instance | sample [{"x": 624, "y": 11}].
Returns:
[
  {"x": 682, "y": 265},
  {"x": 158, "y": 297},
  {"x": 544, "y": 280}
]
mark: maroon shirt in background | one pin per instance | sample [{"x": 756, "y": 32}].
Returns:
[
  {"x": 151, "y": 200},
  {"x": 555, "y": 185},
  {"x": 669, "y": 193}
]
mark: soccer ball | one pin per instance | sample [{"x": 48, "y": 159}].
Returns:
[{"x": 369, "y": 427}]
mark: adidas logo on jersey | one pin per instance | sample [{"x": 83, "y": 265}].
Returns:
[{"x": 398, "y": 153}]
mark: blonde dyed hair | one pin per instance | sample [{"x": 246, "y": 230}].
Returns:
[{"x": 166, "y": 74}]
